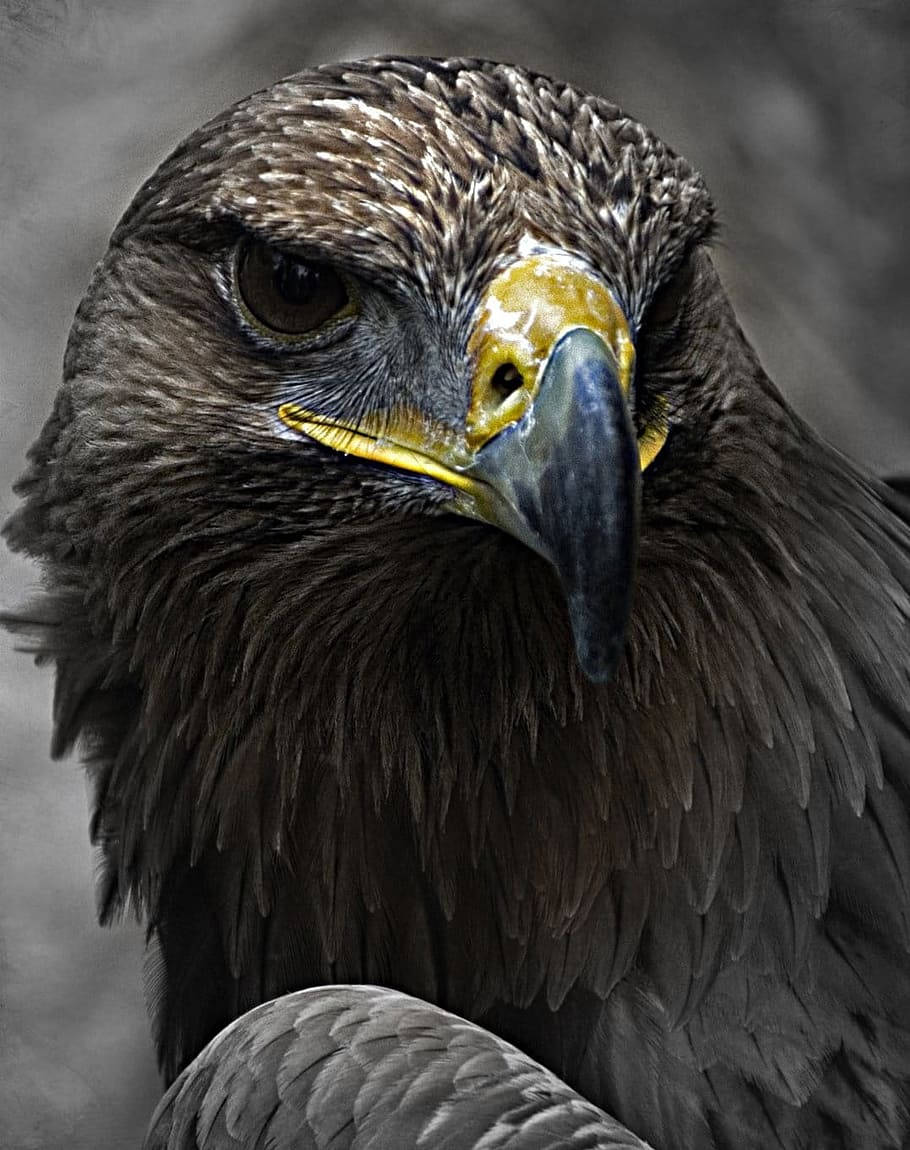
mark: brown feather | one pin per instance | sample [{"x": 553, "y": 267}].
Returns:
[{"x": 337, "y": 735}]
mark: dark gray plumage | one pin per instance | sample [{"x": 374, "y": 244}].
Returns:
[
  {"x": 338, "y": 734},
  {"x": 364, "y": 1068}
]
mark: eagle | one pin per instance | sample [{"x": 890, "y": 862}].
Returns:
[{"x": 445, "y": 600}]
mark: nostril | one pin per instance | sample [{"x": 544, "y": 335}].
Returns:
[
  {"x": 505, "y": 380},
  {"x": 498, "y": 397}
]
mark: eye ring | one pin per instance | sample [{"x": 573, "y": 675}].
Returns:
[{"x": 285, "y": 297}]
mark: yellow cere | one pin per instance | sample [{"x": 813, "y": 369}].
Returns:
[{"x": 523, "y": 313}]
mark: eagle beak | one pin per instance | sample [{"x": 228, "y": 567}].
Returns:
[
  {"x": 548, "y": 452},
  {"x": 555, "y": 461},
  {"x": 565, "y": 480}
]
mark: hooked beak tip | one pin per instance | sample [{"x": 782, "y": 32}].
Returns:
[{"x": 567, "y": 482}]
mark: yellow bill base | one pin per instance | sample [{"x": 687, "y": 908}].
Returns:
[
  {"x": 654, "y": 437},
  {"x": 379, "y": 449},
  {"x": 523, "y": 313}
]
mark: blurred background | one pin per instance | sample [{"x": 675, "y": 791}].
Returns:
[{"x": 798, "y": 115}]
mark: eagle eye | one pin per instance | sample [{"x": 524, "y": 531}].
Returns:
[{"x": 283, "y": 295}]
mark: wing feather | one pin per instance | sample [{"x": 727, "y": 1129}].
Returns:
[{"x": 362, "y": 1068}]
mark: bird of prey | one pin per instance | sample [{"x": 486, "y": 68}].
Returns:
[
  {"x": 446, "y": 599},
  {"x": 366, "y": 1068}
]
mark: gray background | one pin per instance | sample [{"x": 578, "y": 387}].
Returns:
[{"x": 797, "y": 114}]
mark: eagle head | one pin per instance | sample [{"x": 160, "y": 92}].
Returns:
[{"x": 421, "y": 536}]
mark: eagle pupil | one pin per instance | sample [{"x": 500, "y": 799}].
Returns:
[{"x": 296, "y": 282}]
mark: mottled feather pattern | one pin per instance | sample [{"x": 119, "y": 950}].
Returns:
[
  {"x": 362, "y": 1068},
  {"x": 337, "y": 735}
]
